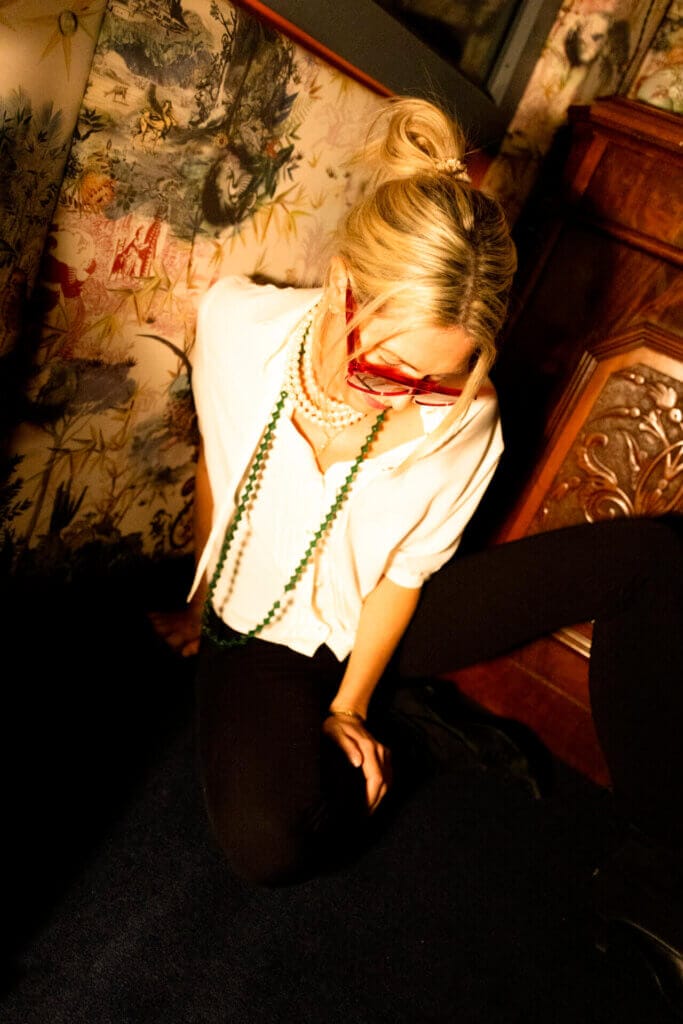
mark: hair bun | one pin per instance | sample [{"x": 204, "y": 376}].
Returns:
[{"x": 412, "y": 136}]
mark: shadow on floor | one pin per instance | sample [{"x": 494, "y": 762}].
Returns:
[{"x": 472, "y": 906}]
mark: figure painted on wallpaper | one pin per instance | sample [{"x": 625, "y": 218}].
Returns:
[
  {"x": 596, "y": 49},
  {"x": 230, "y": 190},
  {"x": 586, "y": 55},
  {"x": 156, "y": 120},
  {"x": 68, "y": 263},
  {"x": 119, "y": 92},
  {"x": 134, "y": 257},
  {"x": 583, "y": 42},
  {"x": 248, "y": 101},
  {"x": 218, "y": 126}
]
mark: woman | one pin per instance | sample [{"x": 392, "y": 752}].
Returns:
[
  {"x": 348, "y": 434},
  {"x": 334, "y": 502}
]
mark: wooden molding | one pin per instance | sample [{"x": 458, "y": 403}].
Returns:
[{"x": 630, "y": 120}]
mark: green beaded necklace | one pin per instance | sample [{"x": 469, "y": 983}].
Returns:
[{"x": 246, "y": 501}]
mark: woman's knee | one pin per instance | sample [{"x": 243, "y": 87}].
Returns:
[
  {"x": 267, "y": 850},
  {"x": 288, "y": 840}
]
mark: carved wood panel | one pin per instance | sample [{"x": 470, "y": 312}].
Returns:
[{"x": 617, "y": 449}]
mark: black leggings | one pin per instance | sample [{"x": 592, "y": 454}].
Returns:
[{"x": 279, "y": 794}]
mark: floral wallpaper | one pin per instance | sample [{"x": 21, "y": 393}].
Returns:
[
  {"x": 660, "y": 77},
  {"x": 205, "y": 143},
  {"x": 146, "y": 150},
  {"x": 47, "y": 51}
]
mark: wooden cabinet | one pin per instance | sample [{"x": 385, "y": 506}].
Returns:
[{"x": 591, "y": 382}]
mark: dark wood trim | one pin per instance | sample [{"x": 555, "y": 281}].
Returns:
[
  {"x": 636, "y": 239},
  {"x": 302, "y": 38},
  {"x": 623, "y": 119}
]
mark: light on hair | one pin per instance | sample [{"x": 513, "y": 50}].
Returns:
[{"x": 426, "y": 241}]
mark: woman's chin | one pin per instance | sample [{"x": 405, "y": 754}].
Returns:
[{"x": 373, "y": 403}]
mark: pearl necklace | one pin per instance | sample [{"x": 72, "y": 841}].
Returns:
[{"x": 308, "y": 398}]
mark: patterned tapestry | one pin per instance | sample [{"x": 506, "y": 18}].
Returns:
[
  {"x": 46, "y": 56},
  {"x": 146, "y": 150},
  {"x": 205, "y": 144},
  {"x": 660, "y": 78}
]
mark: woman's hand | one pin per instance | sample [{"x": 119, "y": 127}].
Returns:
[
  {"x": 181, "y": 630},
  {"x": 363, "y": 751}
]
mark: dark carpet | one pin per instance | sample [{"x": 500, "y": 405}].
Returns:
[{"x": 471, "y": 905}]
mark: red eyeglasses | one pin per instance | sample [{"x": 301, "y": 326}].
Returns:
[{"x": 383, "y": 380}]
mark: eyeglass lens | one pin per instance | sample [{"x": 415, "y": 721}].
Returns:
[{"x": 382, "y": 386}]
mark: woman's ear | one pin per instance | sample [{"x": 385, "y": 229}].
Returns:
[{"x": 337, "y": 280}]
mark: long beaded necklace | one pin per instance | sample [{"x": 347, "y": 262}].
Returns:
[{"x": 245, "y": 504}]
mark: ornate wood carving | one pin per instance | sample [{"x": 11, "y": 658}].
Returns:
[{"x": 617, "y": 450}]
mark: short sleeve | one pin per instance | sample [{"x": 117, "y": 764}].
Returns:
[{"x": 456, "y": 480}]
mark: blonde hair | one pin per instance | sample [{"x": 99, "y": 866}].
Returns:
[{"x": 425, "y": 239}]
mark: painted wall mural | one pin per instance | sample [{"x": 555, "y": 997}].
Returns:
[
  {"x": 146, "y": 150},
  {"x": 660, "y": 79},
  {"x": 205, "y": 143},
  {"x": 46, "y": 55}
]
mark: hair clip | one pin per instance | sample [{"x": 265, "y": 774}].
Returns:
[{"x": 453, "y": 166}]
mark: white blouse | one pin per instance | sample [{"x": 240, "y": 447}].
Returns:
[{"x": 400, "y": 525}]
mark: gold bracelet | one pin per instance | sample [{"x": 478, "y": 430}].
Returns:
[{"x": 347, "y": 714}]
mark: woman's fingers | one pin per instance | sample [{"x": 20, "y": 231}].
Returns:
[
  {"x": 179, "y": 629},
  {"x": 349, "y": 744},
  {"x": 365, "y": 752},
  {"x": 377, "y": 770},
  {"x": 189, "y": 647}
]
